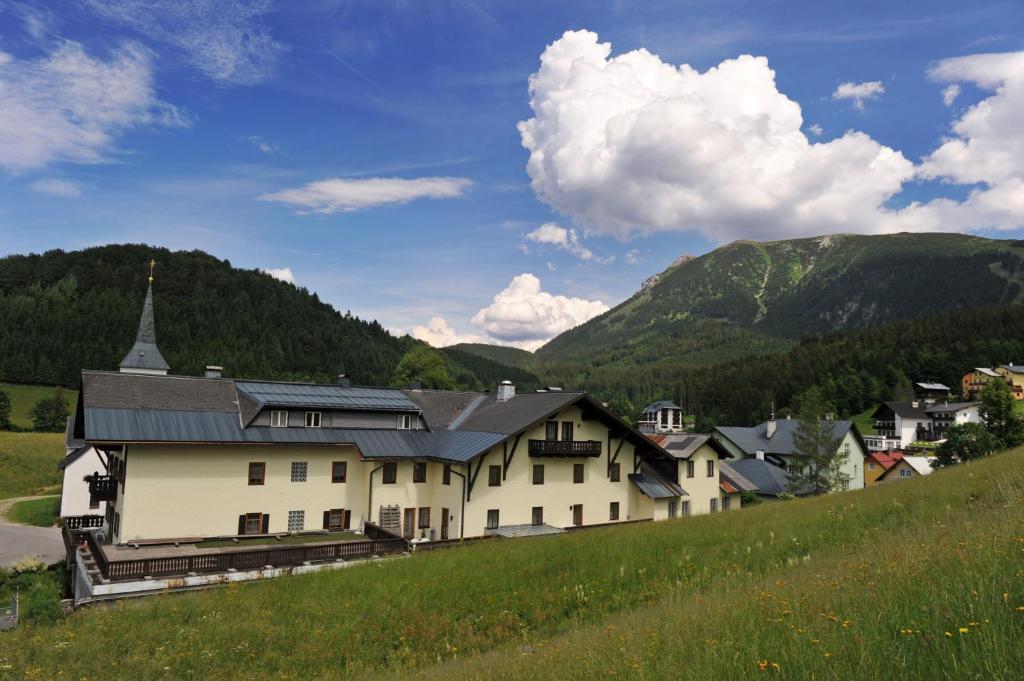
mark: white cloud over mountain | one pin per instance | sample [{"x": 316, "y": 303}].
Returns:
[
  {"x": 339, "y": 195},
  {"x": 282, "y": 273},
  {"x": 436, "y": 332},
  {"x": 526, "y": 316},
  {"x": 69, "y": 106},
  {"x": 630, "y": 145},
  {"x": 225, "y": 39},
  {"x": 552, "y": 234}
]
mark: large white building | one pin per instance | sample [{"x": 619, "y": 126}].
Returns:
[{"x": 899, "y": 424}]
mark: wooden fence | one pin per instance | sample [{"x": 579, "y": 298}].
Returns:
[{"x": 233, "y": 559}]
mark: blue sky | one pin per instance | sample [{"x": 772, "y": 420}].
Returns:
[{"x": 373, "y": 149}]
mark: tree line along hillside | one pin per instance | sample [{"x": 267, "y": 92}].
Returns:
[
  {"x": 61, "y": 312},
  {"x": 853, "y": 370}
]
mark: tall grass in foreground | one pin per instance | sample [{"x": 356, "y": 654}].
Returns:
[
  {"x": 700, "y": 594},
  {"x": 28, "y": 462}
]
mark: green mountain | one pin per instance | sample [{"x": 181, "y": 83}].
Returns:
[
  {"x": 749, "y": 298},
  {"x": 513, "y": 357},
  {"x": 62, "y": 311}
]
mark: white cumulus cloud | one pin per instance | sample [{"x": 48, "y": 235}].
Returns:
[
  {"x": 525, "y": 316},
  {"x": 950, "y": 93},
  {"x": 859, "y": 92},
  {"x": 631, "y": 145},
  {"x": 564, "y": 239},
  {"x": 338, "y": 195},
  {"x": 57, "y": 187},
  {"x": 69, "y": 106},
  {"x": 436, "y": 332},
  {"x": 283, "y": 273},
  {"x": 225, "y": 39}
]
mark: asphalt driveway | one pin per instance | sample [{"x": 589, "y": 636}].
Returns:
[{"x": 20, "y": 541}]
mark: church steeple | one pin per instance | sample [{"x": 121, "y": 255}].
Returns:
[{"x": 145, "y": 357}]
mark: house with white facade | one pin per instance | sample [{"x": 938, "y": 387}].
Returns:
[
  {"x": 772, "y": 441},
  {"x": 899, "y": 424},
  {"x": 77, "y": 507}
]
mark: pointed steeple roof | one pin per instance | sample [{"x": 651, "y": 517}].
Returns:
[{"x": 145, "y": 357}]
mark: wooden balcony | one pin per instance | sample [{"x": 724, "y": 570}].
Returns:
[
  {"x": 568, "y": 448},
  {"x": 103, "y": 487}
]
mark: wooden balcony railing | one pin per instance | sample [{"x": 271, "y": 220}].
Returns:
[
  {"x": 103, "y": 487},
  {"x": 565, "y": 448},
  {"x": 222, "y": 561}
]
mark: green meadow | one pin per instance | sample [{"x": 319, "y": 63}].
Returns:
[
  {"x": 915, "y": 579},
  {"x": 24, "y": 397},
  {"x": 28, "y": 463},
  {"x": 39, "y": 512}
]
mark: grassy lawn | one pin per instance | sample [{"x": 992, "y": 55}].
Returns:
[
  {"x": 24, "y": 397},
  {"x": 865, "y": 424},
  {"x": 39, "y": 512},
  {"x": 854, "y": 585},
  {"x": 288, "y": 539},
  {"x": 28, "y": 463}
]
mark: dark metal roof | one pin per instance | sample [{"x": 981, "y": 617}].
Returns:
[
  {"x": 444, "y": 408},
  {"x": 112, "y": 390},
  {"x": 769, "y": 479},
  {"x": 683, "y": 446},
  {"x": 950, "y": 407},
  {"x": 655, "y": 486},
  {"x": 932, "y": 386},
  {"x": 134, "y": 425},
  {"x": 904, "y": 410},
  {"x": 750, "y": 440},
  {"x": 735, "y": 478},
  {"x": 326, "y": 396},
  {"x": 659, "y": 405},
  {"x": 517, "y": 413},
  {"x": 144, "y": 354},
  {"x": 74, "y": 456}
]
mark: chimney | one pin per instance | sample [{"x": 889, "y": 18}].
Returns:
[
  {"x": 213, "y": 371},
  {"x": 414, "y": 384},
  {"x": 759, "y": 455},
  {"x": 770, "y": 429},
  {"x": 344, "y": 381},
  {"x": 554, "y": 389},
  {"x": 506, "y": 391}
]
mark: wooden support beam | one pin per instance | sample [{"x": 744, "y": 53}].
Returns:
[
  {"x": 472, "y": 476},
  {"x": 507, "y": 455},
  {"x": 613, "y": 458}
]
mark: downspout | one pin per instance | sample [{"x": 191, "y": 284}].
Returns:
[
  {"x": 369, "y": 496},
  {"x": 462, "y": 511}
]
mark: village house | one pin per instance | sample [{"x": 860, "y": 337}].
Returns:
[
  {"x": 772, "y": 441},
  {"x": 196, "y": 457},
  {"x": 77, "y": 507},
  {"x": 907, "y": 467},
  {"x": 877, "y": 463},
  {"x": 1013, "y": 374},
  {"x": 769, "y": 482},
  {"x": 975, "y": 380},
  {"x": 899, "y": 424}
]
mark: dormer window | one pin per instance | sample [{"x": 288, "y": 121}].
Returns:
[
  {"x": 278, "y": 419},
  {"x": 313, "y": 419},
  {"x": 404, "y": 421}
]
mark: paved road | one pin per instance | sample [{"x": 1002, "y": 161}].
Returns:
[{"x": 20, "y": 541}]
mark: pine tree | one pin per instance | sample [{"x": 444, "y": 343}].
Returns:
[
  {"x": 50, "y": 414},
  {"x": 816, "y": 449}
]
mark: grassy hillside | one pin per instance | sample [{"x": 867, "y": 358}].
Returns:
[
  {"x": 800, "y": 287},
  {"x": 28, "y": 463},
  {"x": 852, "y": 585},
  {"x": 24, "y": 397}
]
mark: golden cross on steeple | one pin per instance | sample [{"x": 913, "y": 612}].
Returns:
[{"x": 152, "y": 265}]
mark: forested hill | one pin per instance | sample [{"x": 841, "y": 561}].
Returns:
[
  {"x": 761, "y": 296},
  {"x": 61, "y": 312}
]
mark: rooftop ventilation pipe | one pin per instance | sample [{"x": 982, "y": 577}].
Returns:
[
  {"x": 213, "y": 371},
  {"x": 506, "y": 391}
]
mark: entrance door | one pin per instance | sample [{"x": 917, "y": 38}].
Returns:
[
  {"x": 409, "y": 529},
  {"x": 444, "y": 524},
  {"x": 577, "y": 515}
]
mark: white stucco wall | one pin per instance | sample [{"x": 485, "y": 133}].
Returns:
[{"x": 74, "y": 493}]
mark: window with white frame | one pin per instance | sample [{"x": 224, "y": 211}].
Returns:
[
  {"x": 313, "y": 419},
  {"x": 404, "y": 421},
  {"x": 299, "y": 470},
  {"x": 296, "y": 521},
  {"x": 905, "y": 473},
  {"x": 279, "y": 419}
]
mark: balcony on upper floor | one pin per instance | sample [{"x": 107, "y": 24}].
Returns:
[{"x": 570, "y": 448}]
